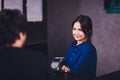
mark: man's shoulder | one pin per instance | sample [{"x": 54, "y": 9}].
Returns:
[
  {"x": 33, "y": 53},
  {"x": 20, "y": 52}
]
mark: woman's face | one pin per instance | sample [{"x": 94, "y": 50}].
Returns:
[{"x": 77, "y": 32}]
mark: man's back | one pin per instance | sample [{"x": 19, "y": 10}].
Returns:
[{"x": 21, "y": 64}]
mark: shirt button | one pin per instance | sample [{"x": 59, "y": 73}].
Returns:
[
  {"x": 71, "y": 59},
  {"x": 73, "y": 54}
]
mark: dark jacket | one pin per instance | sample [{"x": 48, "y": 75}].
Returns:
[{"x": 22, "y": 64}]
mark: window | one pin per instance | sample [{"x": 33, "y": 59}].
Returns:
[{"x": 33, "y": 9}]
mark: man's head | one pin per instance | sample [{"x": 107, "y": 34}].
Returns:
[{"x": 12, "y": 28}]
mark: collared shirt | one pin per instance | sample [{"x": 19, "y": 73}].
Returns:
[{"x": 82, "y": 59}]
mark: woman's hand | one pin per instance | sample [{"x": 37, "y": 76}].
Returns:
[{"x": 65, "y": 68}]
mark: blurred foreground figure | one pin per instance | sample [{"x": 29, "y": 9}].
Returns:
[{"x": 17, "y": 63}]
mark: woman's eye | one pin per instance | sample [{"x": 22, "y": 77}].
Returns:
[{"x": 79, "y": 29}]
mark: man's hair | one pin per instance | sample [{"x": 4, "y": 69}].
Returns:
[
  {"x": 86, "y": 25},
  {"x": 11, "y": 23}
]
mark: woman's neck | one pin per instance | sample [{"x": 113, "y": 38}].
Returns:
[{"x": 79, "y": 42}]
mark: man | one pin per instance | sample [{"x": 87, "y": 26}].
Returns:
[{"x": 17, "y": 63}]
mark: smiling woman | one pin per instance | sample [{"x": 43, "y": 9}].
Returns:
[
  {"x": 78, "y": 34},
  {"x": 81, "y": 58}
]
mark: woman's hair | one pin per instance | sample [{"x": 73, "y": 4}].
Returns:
[
  {"x": 11, "y": 23},
  {"x": 86, "y": 25}
]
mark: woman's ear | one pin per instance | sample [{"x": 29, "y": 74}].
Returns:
[{"x": 90, "y": 32}]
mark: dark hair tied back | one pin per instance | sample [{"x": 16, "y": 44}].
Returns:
[{"x": 86, "y": 25}]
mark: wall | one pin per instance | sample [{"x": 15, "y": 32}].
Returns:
[
  {"x": 60, "y": 16},
  {"x": 105, "y": 26}
]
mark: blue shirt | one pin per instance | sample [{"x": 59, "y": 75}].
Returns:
[{"x": 82, "y": 59}]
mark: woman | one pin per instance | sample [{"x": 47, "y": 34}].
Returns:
[{"x": 81, "y": 58}]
